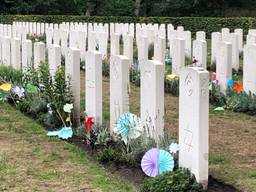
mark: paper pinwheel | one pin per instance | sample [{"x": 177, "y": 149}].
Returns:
[
  {"x": 174, "y": 148},
  {"x": 230, "y": 83},
  {"x": 64, "y": 133},
  {"x": 31, "y": 88},
  {"x": 6, "y": 87},
  {"x": 68, "y": 107},
  {"x": 156, "y": 162},
  {"x": 129, "y": 126}
]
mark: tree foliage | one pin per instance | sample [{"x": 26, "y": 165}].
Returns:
[{"x": 130, "y": 7}]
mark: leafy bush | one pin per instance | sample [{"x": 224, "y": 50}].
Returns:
[
  {"x": 9, "y": 74},
  {"x": 172, "y": 86},
  {"x": 135, "y": 77},
  {"x": 177, "y": 181},
  {"x": 216, "y": 97},
  {"x": 242, "y": 102},
  {"x": 105, "y": 68},
  {"x": 110, "y": 154}
]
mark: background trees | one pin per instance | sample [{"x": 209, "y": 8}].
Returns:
[{"x": 131, "y": 7}]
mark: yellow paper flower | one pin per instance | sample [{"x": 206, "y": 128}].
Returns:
[
  {"x": 172, "y": 77},
  {"x": 6, "y": 87}
]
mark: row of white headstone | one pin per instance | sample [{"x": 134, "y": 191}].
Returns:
[{"x": 180, "y": 43}]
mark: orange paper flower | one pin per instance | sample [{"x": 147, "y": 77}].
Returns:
[{"x": 238, "y": 87}]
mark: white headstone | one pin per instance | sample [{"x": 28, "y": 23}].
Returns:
[
  {"x": 194, "y": 122},
  {"x": 119, "y": 83},
  {"x": 15, "y": 53},
  {"x": 225, "y": 35},
  {"x": 56, "y": 36},
  {"x": 235, "y": 51},
  {"x": 6, "y": 48},
  {"x": 39, "y": 54},
  {"x": 159, "y": 49},
  {"x": 103, "y": 44},
  {"x": 72, "y": 72},
  {"x": 91, "y": 41},
  {"x": 128, "y": 46},
  {"x": 64, "y": 41},
  {"x": 251, "y": 39},
  {"x": 142, "y": 45},
  {"x": 200, "y": 35},
  {"x": 215, "y": 45},
  {"x": 187, "y": 36},
  {"x": 249, "y": 75},
  {"x": 115, "y": 44},
  {"x": 224, "y": 65},
  {"x": 26, "y": 55},
  {"x": 178, "y": 56},
  {"x": 152, "y": 99},
  {"x": 94, "y": 85},
  {"x": 239, "y": 32},
  {"x": 200, "y": 53},
  {"x": 54, "y": 58}
]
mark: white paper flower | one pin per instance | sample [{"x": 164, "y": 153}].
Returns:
[
  {"x": 19, "y": 91},
  {"x": 174, "y": 148}
]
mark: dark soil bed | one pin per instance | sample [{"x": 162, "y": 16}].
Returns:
[{"x": 136, "y": 176}]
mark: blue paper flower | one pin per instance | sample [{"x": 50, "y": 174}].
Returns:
[
  {"x": 166, "y": 162},
  {"x": 129, "y": 126},
  {"x": 64, "y": 133}
]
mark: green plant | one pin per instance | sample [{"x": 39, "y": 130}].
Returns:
[
  {"x": 216, "y": 97},
  {"x": 105, "y": 68},
  {"x": 9, "y": 74},
  {"x": 111, "y": 154},
  {"x": 135, "y": 77},
  {"x": 241, "y": 102},
  {"x": 172, "y": 86},
  {"x": 177, "y": 181}
]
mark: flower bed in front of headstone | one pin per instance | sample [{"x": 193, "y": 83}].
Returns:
[{"x": 48, "y": 100}]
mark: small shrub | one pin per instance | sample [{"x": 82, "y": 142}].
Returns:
[
  {"x": 216, "y": 97},
  {"x": 172, "y": 86},
  {"x": 177, "y": 181},
  {"x": 9, "y": 74},
  {"x": 105, "y": 68}
]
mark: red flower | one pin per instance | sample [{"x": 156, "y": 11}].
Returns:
[{"x": 238, "y": 87}]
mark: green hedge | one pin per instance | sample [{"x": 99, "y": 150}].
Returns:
[{"x": 207, "y": 24}]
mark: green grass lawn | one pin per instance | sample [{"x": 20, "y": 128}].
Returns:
[{"x": 31, "y": 161}]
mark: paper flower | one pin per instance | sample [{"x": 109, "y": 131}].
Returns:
[
  {"x": 230, "y": 83},
  {"x": 166, "y": 162},
  {"x": 64, "y": 133},
  {"x": 129, "y": 126},
  {"x": 174, "y": 148},
  {"x": 149, "y": 162},
  {"x": 6, "y": 87},
  {"x": 238, "y": 87},
  {"x": 156, "y": 162},
  {"x": 87, "y": 126},
  {"x": 31, "y": 88},
  {"x": 19, "y": 91},
  {"x": 172, "y": 77},
  {"x": 68, "y": 107}
]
